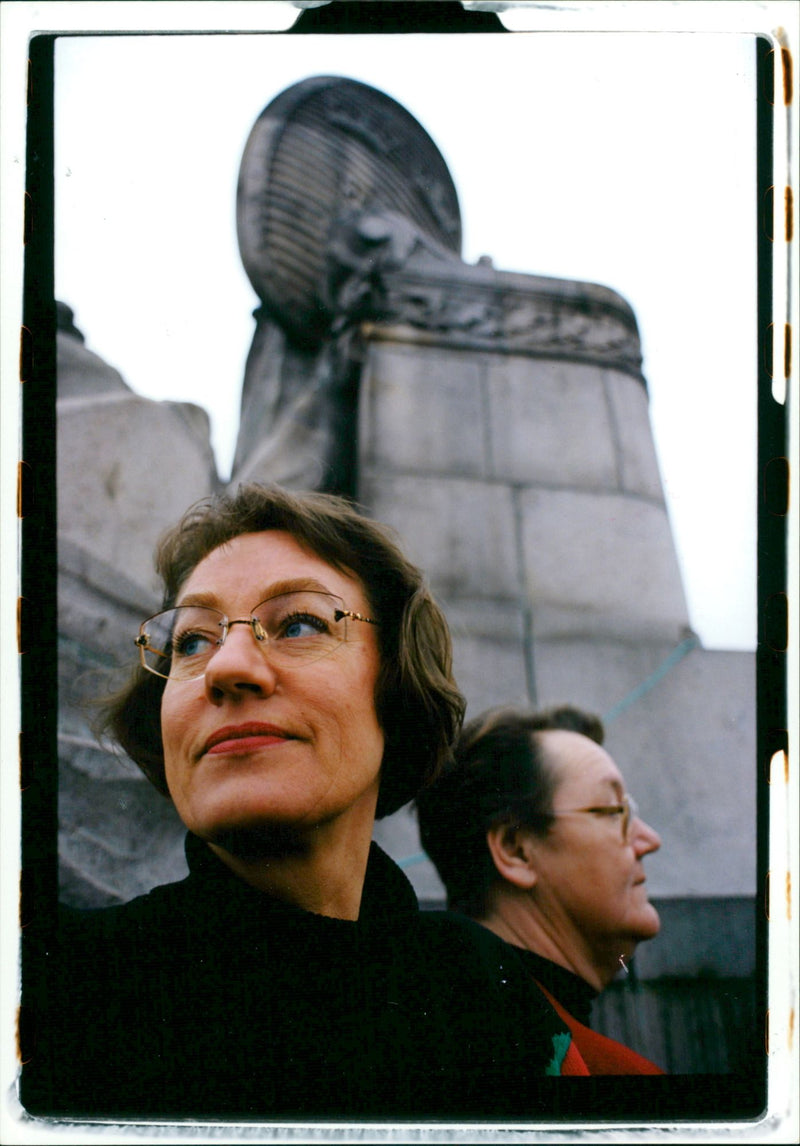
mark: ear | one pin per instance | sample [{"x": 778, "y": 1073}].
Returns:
[{"x": 512, "y": 851}]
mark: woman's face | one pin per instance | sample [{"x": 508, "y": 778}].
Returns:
[
  {"x": 590, "y": 880},
  {"x": 256, "y": 745}
]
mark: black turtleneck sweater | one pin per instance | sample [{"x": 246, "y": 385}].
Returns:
[
  {"x": 209, "y": 999},
  {"x": 574, "y": 993}
]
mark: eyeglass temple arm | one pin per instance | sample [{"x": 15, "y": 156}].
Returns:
[{"x": 340, "y": 613}]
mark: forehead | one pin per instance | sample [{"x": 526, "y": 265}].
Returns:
[
  {"x": 579, "y": 765},
  {"x": 254, "y": 566}
]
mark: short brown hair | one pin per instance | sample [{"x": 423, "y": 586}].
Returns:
[
  {"x": 417, "y": 701},
  {"x": 498, "y": 775}
]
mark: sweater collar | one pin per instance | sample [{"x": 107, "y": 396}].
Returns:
[
  {"x": 574, "y": 993},
  {"x": 387, "y": 894}
]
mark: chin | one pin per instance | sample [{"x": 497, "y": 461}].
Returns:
[
  {"x": 650, "y": 924},
  {"x": 246, "y": 808}
]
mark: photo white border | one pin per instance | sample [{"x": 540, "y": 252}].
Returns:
[{"x": 777, "y": 20}]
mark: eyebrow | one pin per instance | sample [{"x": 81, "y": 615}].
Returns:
[
  {"x": 616, "y": 786},
  {"x": 211, "y": 600}
]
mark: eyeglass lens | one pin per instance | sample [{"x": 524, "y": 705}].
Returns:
[
  {"x": 180, "y": 642},
  {"x": 631, "y": 812}
]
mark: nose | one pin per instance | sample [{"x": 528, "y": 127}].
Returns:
[
  {"x": 645, "y": 838},
  {"x": 239, "y": 667}
]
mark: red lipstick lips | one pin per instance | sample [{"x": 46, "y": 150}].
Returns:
[{"x": 244, "y": 738}]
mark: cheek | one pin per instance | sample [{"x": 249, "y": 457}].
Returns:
[
  {"x": 357, "y": 733},
  {"x": 170, "y": 718},
  {"x": 360, "y": 740},
  {"x": 175, "y": 719},
  {"x": 599, "y": 882},
  {"x": 348, "y": 699},
  {"x": 621, "y": 890},
  {"x": 617, "y": 870}
]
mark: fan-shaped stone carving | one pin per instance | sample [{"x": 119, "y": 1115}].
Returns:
[{"x": 325, "y": 150}]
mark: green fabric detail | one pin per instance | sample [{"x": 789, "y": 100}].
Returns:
[{"x": 561, "y": 1044}]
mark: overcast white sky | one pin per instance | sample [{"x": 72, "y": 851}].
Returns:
[{"x": 619, "y": 158}]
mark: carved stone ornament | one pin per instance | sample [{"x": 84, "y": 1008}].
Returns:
[
  {"x": 325, "y": 150},
  {"x": 381, "y": 269},
  {"x": 486, "y": 309}
]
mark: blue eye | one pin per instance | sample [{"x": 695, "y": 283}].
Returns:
[
  {"x": 191, "y": 645},
  {"x": 303, "y": 625}
]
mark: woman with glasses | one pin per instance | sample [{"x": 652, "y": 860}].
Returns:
[
  {"x": 295, "y": 685},
  {"x": 534, "y": 836}
]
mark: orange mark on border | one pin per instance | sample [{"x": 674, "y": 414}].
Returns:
[
  {"x": 788, "y": 75},
  {"x": 789, "y": 895},
  {"x": 787, "y": 350},
  {"x": 788, "y": 204}
]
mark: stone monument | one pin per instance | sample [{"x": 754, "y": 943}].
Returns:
[{"x": 338, "y": 185}]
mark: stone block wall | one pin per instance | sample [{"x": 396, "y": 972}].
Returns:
[{"x": 528, "y": 489}]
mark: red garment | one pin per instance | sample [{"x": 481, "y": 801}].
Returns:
[{"x": 592, "y": 1053}]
